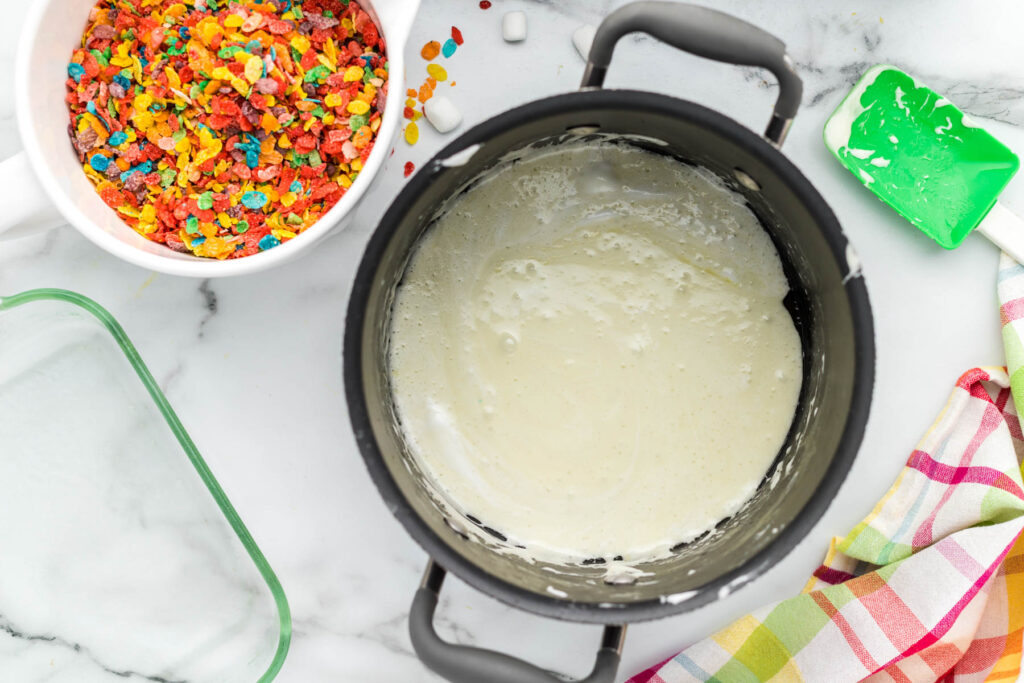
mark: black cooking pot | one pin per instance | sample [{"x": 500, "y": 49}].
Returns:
[{"x": 827, "y": 300}]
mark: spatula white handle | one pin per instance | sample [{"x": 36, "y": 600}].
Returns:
[{"x": 1005, "y": 229}]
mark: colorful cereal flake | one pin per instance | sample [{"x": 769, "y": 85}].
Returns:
[
  {"x": 417, "y": 97},
  {"x": 225, "y": 128}
]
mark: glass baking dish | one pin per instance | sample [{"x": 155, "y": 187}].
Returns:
[{"x": 121, "y": 555}]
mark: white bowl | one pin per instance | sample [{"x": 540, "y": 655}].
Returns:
[{"x": 44, "y": 186}]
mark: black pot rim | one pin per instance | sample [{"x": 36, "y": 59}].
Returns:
[{"x": 787, "y": 539}]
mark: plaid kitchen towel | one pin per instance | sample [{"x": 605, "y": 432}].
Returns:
[{"x": 930, "y": 586}]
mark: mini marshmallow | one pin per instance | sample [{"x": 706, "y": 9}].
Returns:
[
  {"x": 513, "y": 27},
  {"x": 442, "y": 114},
  {"x": 582, "y": 38}
]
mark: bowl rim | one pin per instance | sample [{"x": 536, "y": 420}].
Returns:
[{"x": 783, "y": 542}]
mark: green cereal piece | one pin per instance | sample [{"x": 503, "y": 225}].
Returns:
[
  {"x": 313, "y": 159},
  {"x": 357, "y": 121},
  {"x": 317, "y": 73}
]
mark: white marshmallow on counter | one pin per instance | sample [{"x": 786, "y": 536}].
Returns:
[
  {"x": 513, "y": 27},
  {"x": 582, "y": 39},
  {"x": 442, "y": 114}
]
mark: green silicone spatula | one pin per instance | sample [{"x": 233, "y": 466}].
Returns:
[{"x": 925, "y": 158}]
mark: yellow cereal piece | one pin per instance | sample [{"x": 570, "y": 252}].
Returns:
[
  {"x": 212, "y": 87},
  {"x": 412, "y": 132},
  {"x": 284, "y": 142},
  {"x": 122, "y": 61},
  {"x": 300, "y": 43},
  {"x": 253, "y": 69},
  {"x": 175, "y": 10},
  {"x": 183, "y": 145},
  {"x": 357, "y": 164},
  {"x": 142, "y": 101},
  {"x": 288, "y": 198},
  {"x": 411, "y": 103},
  {"x": 328, "y": 118},
  {"x": 282, "y": 234},
  {"x": 128, "y": 211},
  {"x": 241, "y": 86},
  {"x": 209, "y": 30},
  {"x": 148, "y": 213},
  {"x": 326, "y": 62},
  {"x": 374, "y": 125},
  {"x": 345, "y": 181},
  {"x": 358, "y": 107},
  {"x": 221, "y": 73},
  {"x": 234, "y": 20},
  {"x": 333, "y": 99},
  {"x": 331, "y": 54},
  {"x": 353, "y": 73},
  {"x": 437, "y": 71}
]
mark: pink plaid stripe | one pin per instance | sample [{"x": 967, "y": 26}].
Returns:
[
  {"x": 1011, "y": 310},
  {"x": 991, "y": 419},
  {"x": 948, "y": 474}
]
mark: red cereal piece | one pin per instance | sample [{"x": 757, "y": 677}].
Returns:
[
  {"x": 485, "y": 4},
  {"x": 409, "y": 168},
  {"x": 456, "y": 35}
]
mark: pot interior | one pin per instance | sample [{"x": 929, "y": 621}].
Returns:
[{"x": 822, "y": 439}]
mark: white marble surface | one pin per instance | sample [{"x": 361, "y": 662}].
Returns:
[{"x": 252, "y": 365}]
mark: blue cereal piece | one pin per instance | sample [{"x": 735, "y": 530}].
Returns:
[
  {"x": 99, "y": 162},
  {"x": 449, "y": 47},
  {"x": 76, "y": 71},
  {"x": 117, "y": 138},
  {"x": 296, "y": 186},
  {"x": 268, "y": 242},
  {"x": 254, "y": 200}
]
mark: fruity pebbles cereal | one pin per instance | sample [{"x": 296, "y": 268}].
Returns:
[{"x": 225, "y": 127}]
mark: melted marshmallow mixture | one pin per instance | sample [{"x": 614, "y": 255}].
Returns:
[{"x": 589, "y": 352}]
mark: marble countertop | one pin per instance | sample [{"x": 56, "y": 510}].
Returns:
[{"x": 271, "y": 343}]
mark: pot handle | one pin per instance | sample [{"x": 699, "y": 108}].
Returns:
[
  {"x": 464, "y": 664},
  {"x": 706, "y": 33}
]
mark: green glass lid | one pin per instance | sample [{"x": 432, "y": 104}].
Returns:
[{"x": 122, "y": 556}]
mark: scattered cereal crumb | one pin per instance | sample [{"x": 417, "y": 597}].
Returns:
[
  {"x": 456, "y": 35},
  {"x": 412, "y": 133},
  {"x": 409, "y": 168},
  {"x": 430, "y": 50},
  {"x": 485, "y": 4}
]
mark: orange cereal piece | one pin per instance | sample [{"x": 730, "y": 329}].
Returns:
[
  {"x": 430, "y": 50},
  {"x": 426, "y": 92}
]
